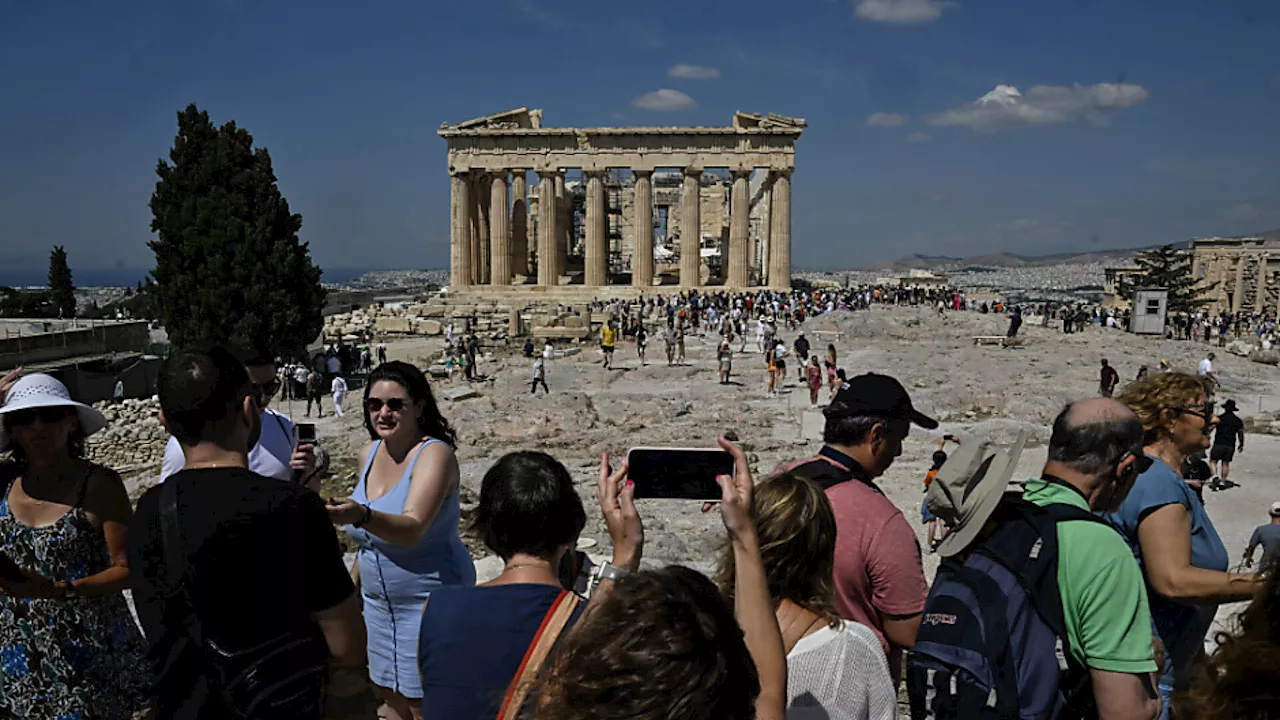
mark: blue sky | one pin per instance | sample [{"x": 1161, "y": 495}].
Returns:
[{"x": 1133, "y": 121}]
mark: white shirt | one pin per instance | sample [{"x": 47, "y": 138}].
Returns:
[
  {"x": 840, "y": 675},
  {"x": 1206, "y": 367},
  {"x": 270, "y": 457},
  {"x": 339, "y": 386}
]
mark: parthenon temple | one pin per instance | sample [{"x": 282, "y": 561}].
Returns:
[
  {"x": 639, "y": 206},
  {"x": 1244, "y": 273}
]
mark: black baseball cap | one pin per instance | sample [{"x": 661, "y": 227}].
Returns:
[{"x": 873, "y": 394}]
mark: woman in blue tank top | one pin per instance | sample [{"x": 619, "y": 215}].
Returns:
[{"x": 403, "y": 516}]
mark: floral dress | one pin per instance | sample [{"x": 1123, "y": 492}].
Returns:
[{"x": 71, "y": 659}]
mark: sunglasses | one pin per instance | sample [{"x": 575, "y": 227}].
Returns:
[
  {"x": 393, "y": 404},
  {"x": 1202, "y": 410},
  {"x": 266, "y": 389},
  {"x": 46, "y": 415}
]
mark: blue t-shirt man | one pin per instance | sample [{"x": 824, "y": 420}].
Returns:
[{"x": 1182, "y": 628}]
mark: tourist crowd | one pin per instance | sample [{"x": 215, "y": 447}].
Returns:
[{"x": 1087, "y": 591}]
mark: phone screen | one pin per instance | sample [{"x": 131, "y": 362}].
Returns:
[
  {"x": 678, "y": 473},
  {"x": 305, "y": 433}
]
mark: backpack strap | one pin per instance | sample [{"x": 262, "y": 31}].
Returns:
[{"x": 553, "y": 624}]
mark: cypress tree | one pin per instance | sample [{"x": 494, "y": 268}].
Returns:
[{"x": 62, "y": 291}]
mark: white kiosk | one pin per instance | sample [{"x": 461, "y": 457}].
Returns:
[{"x": 1150, "y": 306}]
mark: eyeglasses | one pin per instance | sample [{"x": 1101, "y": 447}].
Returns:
[
  {"x": 46, "y": 415},
  {"x": 266, "y": 389},
  {"x": 393, "y": 404},
  {"x": 1203, "y": 410}
]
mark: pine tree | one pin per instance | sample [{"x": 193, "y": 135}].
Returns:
[
  {"x": 61, "y": 290},
  {"x": 1169, "y": 268},
  {"x": 229, "y": 265}
]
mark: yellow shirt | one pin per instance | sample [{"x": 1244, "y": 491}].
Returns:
[{"x": 606, "y": 336}]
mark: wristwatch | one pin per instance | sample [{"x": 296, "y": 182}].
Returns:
[{"x": 609, "y": 571}]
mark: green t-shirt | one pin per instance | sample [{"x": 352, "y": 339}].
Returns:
[{"x": 1104, "y": 598}]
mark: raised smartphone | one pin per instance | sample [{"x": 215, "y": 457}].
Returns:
[
  {"x": 304, "y": 434},
  {"x": 677, "y": 473}
]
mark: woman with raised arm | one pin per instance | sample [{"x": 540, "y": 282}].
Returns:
[
  {"x": 403, "y": 516},
  {"x": 665, "y": 645}
]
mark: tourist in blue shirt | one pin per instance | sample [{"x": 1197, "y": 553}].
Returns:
[{"x": 1182, "y": 557}]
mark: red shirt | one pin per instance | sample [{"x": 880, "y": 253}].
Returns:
[{"x": 878, "y": 570}]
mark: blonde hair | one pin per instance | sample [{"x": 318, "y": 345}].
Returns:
[
  {"x": 797, "y": 532},
  {"x": 1153, "y": 397}
]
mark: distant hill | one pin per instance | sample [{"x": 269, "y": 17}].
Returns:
[{"x": 1003, "y": 260}]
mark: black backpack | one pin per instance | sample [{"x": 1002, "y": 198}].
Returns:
[{"x": 992, "y": 641}]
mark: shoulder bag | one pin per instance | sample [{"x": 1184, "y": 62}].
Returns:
[
  {"x": 283, "y": 677},
  {"x": 553, "y": 624}
]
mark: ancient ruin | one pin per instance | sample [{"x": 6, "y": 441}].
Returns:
[
  {"x": 649, "y": 210},
  {"x": 1244, "y": 270}
]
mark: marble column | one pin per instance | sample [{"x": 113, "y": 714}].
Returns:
[
  {"x": 691, "y": 229},
  {"x": 564, "y": 224},
  {"x": 1237, "y": 299},
  {"x": 739, "y": 271},
  {"x": 767, "y": 231},
  {"x": 596, "y": 255},
  {"x": 460, "y": 230},
  {"x": 642, "y": 252},
  {"x": 473, "y": 227},
  {"x": 1260, "y": 304},
  {"x": 548, "y": 233},
  {"x": 499, "y": 238},
  {"x": 482, "y": 202},
  {"x": 780, "y": 231},
  {"x": 519, "y": 223}
]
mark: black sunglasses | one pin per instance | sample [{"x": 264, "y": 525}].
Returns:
[
  {"x": 46, "y": 415},
  {"x": 1202, "y": 410},
  {"x": 393, "y": 404},
  {"x": 266, "y": 389}
]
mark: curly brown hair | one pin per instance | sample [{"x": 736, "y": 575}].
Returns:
[
  {"x": 1152, "y": 397},
  {"x": 797, "y": 532},
  {"x": 663, "y": 644},
  {"x": 1242, "y": 679}
]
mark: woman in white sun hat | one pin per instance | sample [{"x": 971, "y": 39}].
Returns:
[{"x": 68, "y": 644}]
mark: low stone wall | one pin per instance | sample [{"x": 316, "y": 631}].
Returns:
[
  {"x": 493, "y": 320},
  {"x": 133, "y": 440}
]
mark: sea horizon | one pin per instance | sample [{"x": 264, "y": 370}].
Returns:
[{"x": 131, "y": 276}]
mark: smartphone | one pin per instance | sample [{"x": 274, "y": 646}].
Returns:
[
  {"x": 9, "y": 570},
  {"x": 677, "y": 473},
  {"x": 304, "y": 434}
]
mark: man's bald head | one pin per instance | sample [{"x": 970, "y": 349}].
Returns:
[{"x": 1091, "y": 435}]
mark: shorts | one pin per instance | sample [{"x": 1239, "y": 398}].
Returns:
[
  {"x": 1225, "y": 453},
  {"x": 779, "y": 366},
  {"x": 608, "y": 349},
  {"x": 925, "y": 515},
  {"x": 726, "y": 366}
]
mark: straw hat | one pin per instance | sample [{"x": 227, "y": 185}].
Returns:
[
  {"x": 38, "y": 390},
  {"x": 968, "y": 488}
]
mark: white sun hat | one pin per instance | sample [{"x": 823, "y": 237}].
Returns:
[{"x": 38, "y": 390}]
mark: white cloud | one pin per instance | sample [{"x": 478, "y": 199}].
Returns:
[
  {"x": 693, "y": 72},
  {"x": 901, "y": 12},
  {"x": 919, "y": 137},
  {"x": 1245, "y": 211},
  {"x": 1005, "y": 106},
  {"x": 886, "y": 120},
  {"x": 664, "y": 100}
]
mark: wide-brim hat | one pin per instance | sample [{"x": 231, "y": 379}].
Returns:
[
  {"x": 968, "y": 487},
  {"x": 1230, "y": 406},
  {"x": 38, "y": 390}
]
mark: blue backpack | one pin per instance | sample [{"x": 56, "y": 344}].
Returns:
[{"x": 992, "y": 641}]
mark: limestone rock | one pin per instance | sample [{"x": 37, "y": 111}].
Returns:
[{"x": 393, "y": 325}]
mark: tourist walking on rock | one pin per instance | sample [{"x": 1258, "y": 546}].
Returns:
[
  {"x": 275, "y": 453},
  {"x": 642, "y": 343},
  {"x": 813, "y": 378},
  {"x": 209, "y": 613},
  {"x": 680, "y": 346},
  {"x": 779, "y": 365},
  {"x": 1108, "y": 378},
  {"x": 1165, "y": 524},
  {"x": 831, "y": 367},
  {"x": 669, "y": 338},
  {"x": 836, "y": 668},
  {"x": 608, "y": 336},
  {"x": 1015, "y": 322},
  {"x": 403, "y": 516},
  {"x": 1205, "y": 371},
  {"x": 1228, "y": 439},
  {"x": 68, "y": 645},
  {"x": 548, "y": 350},
  {"x": 682, "y": 655},
  {"x": 724, "y": 357},
  {"x": 1268, "y": 536},
  {"x": 339, "y": 389},
  {"x": 315, "y": 391},
  {"x": 473, "y": 639},
  {"x": 801, "y": 347},
  {"x": 879, "y": 576},
  {"x": 539, "y": 377}
]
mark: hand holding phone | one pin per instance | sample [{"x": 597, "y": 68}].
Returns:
[
  {"x": 678, "y": 473},
  {"x": 304, "y": 434}
]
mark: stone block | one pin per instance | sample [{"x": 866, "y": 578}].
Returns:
[
  {"x": 433, "y": 311},
  {"x": 575, "y": 321},
  {"x": 427, "y": 327},
  {"x": 393, "y": 325},
  {"x": 560, "y": 333},
  {"x": 460, "y": 393}
]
